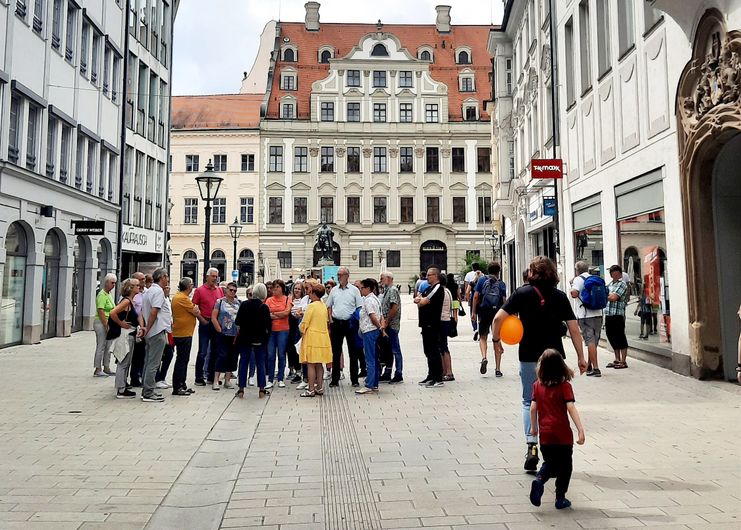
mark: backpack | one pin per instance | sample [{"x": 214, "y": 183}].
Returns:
[
  {"x": 594, "y": 293},
  {"x": 491, "y": 295}
]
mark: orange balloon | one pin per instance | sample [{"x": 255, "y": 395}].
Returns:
[{"x": 511, "y": 331}]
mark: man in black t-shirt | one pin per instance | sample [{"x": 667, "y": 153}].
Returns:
[
  {"x": 543, "y": 309},
  {"x": 430, "y": 304}
]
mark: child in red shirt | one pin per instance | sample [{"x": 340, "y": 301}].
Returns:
[{"x": 552, "y": 404}]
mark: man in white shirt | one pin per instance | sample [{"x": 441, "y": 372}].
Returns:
[
  {"x": 590, "y": 320},
  {"x": 157, "y": 313},
  {"x": 342, "y": 302},
  {"x": 470, "y": 280}
]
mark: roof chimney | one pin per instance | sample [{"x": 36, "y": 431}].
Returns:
[
  {"x": 312, "y": 16},
  {"x": 442, "y": 22}
]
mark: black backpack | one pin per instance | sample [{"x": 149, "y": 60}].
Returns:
[{"x": 491, "y": 295}]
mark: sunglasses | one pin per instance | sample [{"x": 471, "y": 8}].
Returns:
[{"x": 232, "y": 290}]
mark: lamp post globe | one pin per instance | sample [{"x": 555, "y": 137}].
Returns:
[{"x": 208, "y": 186}]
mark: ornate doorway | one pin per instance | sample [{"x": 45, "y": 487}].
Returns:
[{"x": 433, "y": 253}]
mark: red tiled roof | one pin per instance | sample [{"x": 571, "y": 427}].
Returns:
[
  {"x": 222, "y": 111},
  {"x": 343, "y": 37}
]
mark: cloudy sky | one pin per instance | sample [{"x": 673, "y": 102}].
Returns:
[{"x": 214, "y": 45}]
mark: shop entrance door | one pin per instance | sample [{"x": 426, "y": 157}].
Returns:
[
  {"x": 78, "y": 283},
  {"x": 50, "y": 285}
]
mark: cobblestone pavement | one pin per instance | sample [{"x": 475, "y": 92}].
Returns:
[{"x": 662, "y": 450}]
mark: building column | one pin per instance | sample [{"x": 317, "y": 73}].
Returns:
[
  {"x": 287, "y": 182},
  {"x": 471, "y": 166}
]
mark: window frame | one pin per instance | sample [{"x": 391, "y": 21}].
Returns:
[
  {"x": 380, "y": 209},
  {"x": 406, "y": 75},
  {"x": 354, "y": 152},
  {"x": 247, "y": 210},
  {"x": 458, "y": 160},
  {"x": 380, "y": 76},
  {"x": 300, "y": 210},
  {"x": 326, "y": 159},
  {"x": 365, "y": 259},
  {"x": 406, "y": 209},
  {"x": 352, "y": 219},
  {"x": 380, "y": 160},
  {"x": 326, "y": 209},
  {"x": 380, "y": 111},
  {"x": 190, "y": 211},
  {"x": 432, "y": 113},
  {"x": 220, "y": 163},
  {"x": 275, "y": 210},
  {"x": 326, "y": 111},
  {"x": 349, "y": 79},
  {"x": 300, "y": 159},
  {"x": 432, "y": 203},
  {"x": 218, "y": 211},
  {"x": 192, "y": 162},
  {"x": 247, "y": 162},
  {"x": 275, "y": 158},
  {"x": 406, "y": 112},
  {"x": 432, "y": 159},
  {"x": 355, "y": 113},
  {"x": 459, "y": 209},
  {"x": 406, "y": 159}
]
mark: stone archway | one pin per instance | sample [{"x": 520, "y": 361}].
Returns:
[{"x": 708, "y": 109}]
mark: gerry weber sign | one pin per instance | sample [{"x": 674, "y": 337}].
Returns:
[
  {"x": 136, "y": 239},
  {"x": 542, "y": 168}
]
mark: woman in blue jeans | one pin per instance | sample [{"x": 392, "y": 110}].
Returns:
[
  {"x": 254, "y": 323},
  {"x": 280, "y": 307}
]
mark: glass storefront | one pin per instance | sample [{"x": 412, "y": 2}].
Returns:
[
  {"x": 50, "y": 285},
  {"x": 78, "y": 283},
  {"x": 14, "y": 286},
  {"x": 588, "y": 243}
]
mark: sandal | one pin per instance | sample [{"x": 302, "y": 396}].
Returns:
[
  {"x": 319, "y": 391},
  {"x": 240, "y": 393},
  {"x": 307, "y": 393},
  {"x": 620, "y": 366},
  {"x": 613, "y": 364}
]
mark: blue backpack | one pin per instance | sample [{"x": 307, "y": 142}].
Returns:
[
  {"x": 491, "y": 294},
  {"x": 594, "y": 293}
]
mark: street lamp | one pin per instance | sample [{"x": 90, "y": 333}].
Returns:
[
  {"x": 235, "y": 229},
  {"x": 208, "y": 185},
  {"x": 260, "y": 268}
]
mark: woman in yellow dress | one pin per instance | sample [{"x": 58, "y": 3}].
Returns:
[{"x": 316, "y": 349}]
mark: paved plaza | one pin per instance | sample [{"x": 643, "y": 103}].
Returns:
[{"x": 661, "y": 450}]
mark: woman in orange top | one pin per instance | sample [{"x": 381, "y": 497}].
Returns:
[{"x": 280, "y": 307}]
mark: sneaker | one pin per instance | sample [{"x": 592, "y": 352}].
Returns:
[
  {"x": 296, "y": 379},
  {"x": 251, "y": 381},
  {"x": 363, "y": 373},
  {"x": 181, "y": 392},
  {"x": 364, "y": 390},
  {"x": 531, "y": 458},
  {"x": 281, "y": 384},
  {"x": 269, "y": 385},
  {"x": 594, "y": 373},
  {"x": 99, "y": 373},
  {"x": 424, "y": 381},
  {"x": 498, "y": 373},
  {"x": 385, "y": 378},
  {"x": 154, "y": 398},
  {"x": 536, "y": 492},
  {"x": 162, "y": 385},
  {"x": 562, "y": 503},
  {"x": 302, "y": 385},
  {"x": 200, "y": 383},
  {"x": 126, "y": 394},
  {"x": 475, "y": 336},
  {"x": 327, "y": 375},
  {"x": 342, "y": 374},
  {"x": 354, "y": 385},
  {"x": 108, "y": 372},
  {"x": 397, "y": 379},
  {"x": 332, "y": 384},
  {"x": 484, "y": 362}
]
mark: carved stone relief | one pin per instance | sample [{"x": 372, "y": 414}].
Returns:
[
  {"x": 419, "y": 152},
  {"x": 445, "y": 152},
  {"x": 340, "y": 152},
  {"x": 367, "y": 152},
  {"x": 393, "y": 152},
  {"x": 313, "y": 151}
]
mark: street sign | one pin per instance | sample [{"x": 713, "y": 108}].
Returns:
[
  {"x": 89, "y": 228},
  {"x": 549, "y": 206},
  {"x": 546, "y": 168}
]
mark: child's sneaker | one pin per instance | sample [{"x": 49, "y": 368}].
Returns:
[
  {"x": 536, "y": 492},
  {"x": 561, "y": 503}
]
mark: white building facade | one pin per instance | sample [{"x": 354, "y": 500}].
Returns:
[{"x": 61, "y": 94}]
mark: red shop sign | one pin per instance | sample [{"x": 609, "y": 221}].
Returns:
[{"x": 546, "y": 168}]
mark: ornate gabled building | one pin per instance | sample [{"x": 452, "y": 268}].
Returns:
[{"x": 378, "y": 130}]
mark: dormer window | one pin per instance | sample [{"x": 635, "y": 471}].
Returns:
[
  {"x": 325, "y": 57},
  {"x": 379, "y": 50},
  {"x": 425, "y": 55},
  {"x": 288, "y": 80},
  {"x": 290, "y": 55},
  {"x": 464, "y": 57},
  {"x": 470, "y": 110},
  {"x": 288, "y": 108}
]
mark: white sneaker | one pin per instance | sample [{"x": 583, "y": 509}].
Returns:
[
  {"x": 302, "y": 385},
  {"x": 269, "y": 385},
  {"x": 281, "y": 384},
  {"x": 251, "y": 381},
  {"x": 342, "y": 374},
  {"x": 162, "y": 384},
  {"x": 327, "y": 376}
]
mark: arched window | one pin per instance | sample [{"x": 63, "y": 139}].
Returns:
[
  {"x": 289, "y": 55},
  {"x": 379, "y": 50},
  {"x": 463, "y": 58},
  {"x": 425, "y": 56},
  {"x": 218, "y": 255},
  {"x": 190, "y": 256},
  {"x": 325, "y": 56}
]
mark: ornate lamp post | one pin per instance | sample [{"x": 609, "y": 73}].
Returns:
[
  {"x": 235, "y": 229},
  {"x": 260, "y": 269},
  {"x": 208, "y": 185}
]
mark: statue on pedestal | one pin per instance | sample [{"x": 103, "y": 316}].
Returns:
[{"x": 325, "y": 242}]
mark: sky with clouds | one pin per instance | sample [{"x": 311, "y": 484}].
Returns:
[{"x": 216, "y": 40}]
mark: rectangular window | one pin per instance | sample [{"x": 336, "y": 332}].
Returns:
[
  {"x": 626, "y": 29},
  {"x": 470, "y": 113},
  {"x": 56, "y": 25},
  {"x": 467, "y": 84},
  {"x": 327, "y": 111},
  {"x": 38, "y": 15},
  {"x": 301, "y": 159},
  {"x": 353, "y": 112},
  {"x": 569, "y": 48},
  {"x": 407, "y": 210},
  {"x": 289, "y": 82},
  {"x": 405, "y": 80},
  {"x": 353, "y": 209},
  {"x": 51, "y": 146},
  {"x": 80, "y": 158},
  {"x": 406, "y": 159},
  {"x": 459, "y": 209},
  {"x": 191, "y": 163},
  {"x": 379, "y": 210},
  {"x": 95, "y": 59},
  {"x": 585, "y": 46},
  {"x": 285, "y": 259},
  {"x": 107, "y": 70},
  {"x": 112, "y": 176},
  {"x": 326, "y": 209},
  {"x": 432, "y": 160},
  {"x": 218, "y": 214},
  {"x": 393, "y": 258},
  {"x": 64, "y": 153},
  {"x": 433, "y": 209},
  {"x": 91, "y": 152},
  {"x": 247, "y": 210},
  {"x": 484, "y": 209},
  {"x": 353, "y": 78},
  {"x": 459, "y": 159},
  {"x": 379, "y": 112},
  {"x": 379, "y": 79},
  {"x": 275, "y": 210},
  {"x": 508, "y": 75},
  {"x": 651, "y": 17},
  {"x": 327, "y": 159},
  {"x": 69, "y": 40},
  {"x": 379, "y": 160},
  {"x": 219, "y": 162},
  {"x": 14, "y": 132},
  {"x": 287, "y": 111},
  {"x": 85, "y": 47},
  {"x": 353, "y": 159},
  {"x": 483, "y": 159},
  {"x": 191, "y": 211},
  {"x": 32, "y": 141},
  {"x": 431, "y": 113},
  {"x": 275, "y": 158},
  {"x": 366, "y": 258},
  {"x": 603, "y": 36},
  {"x": 511, "y": 150},
  {"x": 405, "y": 112},
  {"x": 300, "y": 210},
  {"x": 248, "y": 163}
]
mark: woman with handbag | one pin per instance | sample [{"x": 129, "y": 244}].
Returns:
[
  {"x": 124, "y": 325},
  {"x": 448, "y": 328},
  {"x": 224, "y": 319}
]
